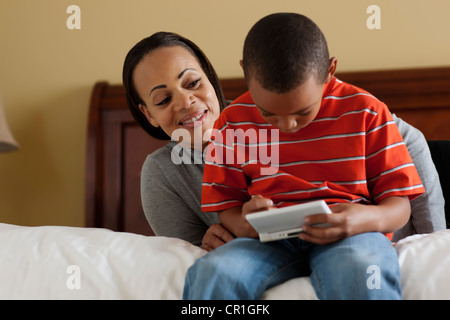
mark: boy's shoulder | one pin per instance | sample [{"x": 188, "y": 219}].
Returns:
[
  {"x": 244, "y": 100},
  {"x": 341, "y": 90},
  {"x": 342, "y": 97},
  {"x": 242, "y": 106}
]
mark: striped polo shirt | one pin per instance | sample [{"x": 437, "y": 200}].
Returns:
[{"x": 351, "y": 152}]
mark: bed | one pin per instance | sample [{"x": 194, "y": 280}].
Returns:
[{"x": 117, "y": 256}]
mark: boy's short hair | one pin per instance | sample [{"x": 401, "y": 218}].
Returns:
[{"x": 282, "y": 50}]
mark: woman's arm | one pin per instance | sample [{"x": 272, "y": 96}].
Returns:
[
  {"x": 171, "y": 218},
  {"x": 169, "y": 213},
  {"x": 427, "y": 211},
  {"x": 172, "y": 206}
]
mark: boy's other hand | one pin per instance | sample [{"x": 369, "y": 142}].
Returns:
[{"x": 348, "y": 219}]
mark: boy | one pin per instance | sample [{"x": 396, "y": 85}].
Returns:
[{"x": 337, "y": 143}]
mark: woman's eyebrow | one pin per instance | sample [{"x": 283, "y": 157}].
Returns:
[
  {"x": 162, "y": 86},
  {"x": 182, "y": 72}
]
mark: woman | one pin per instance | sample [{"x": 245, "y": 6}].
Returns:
[
  {"x": 171, "y": 87},
  {"x": 172, "y": 90}
]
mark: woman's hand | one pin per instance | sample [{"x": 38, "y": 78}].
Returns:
[{"x": 215, "y": 237}]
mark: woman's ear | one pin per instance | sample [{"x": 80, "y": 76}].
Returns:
[
  {"x": 148, "y": 115},
  {"x": 331, "y": 69}
]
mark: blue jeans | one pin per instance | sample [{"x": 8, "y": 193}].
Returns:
[{"x": 364, "y": 266}]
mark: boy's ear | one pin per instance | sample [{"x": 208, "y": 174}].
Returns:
[
  {"x": 241, "y": 62},
  {"x": 331, "y": 69},
  {"x": 147, "y": 114}
]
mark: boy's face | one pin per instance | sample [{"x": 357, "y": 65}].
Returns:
[{"x": 290, "y": 111}]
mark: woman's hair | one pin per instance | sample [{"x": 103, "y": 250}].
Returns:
[
  {"x": 283, "y": 49},
  {"x": 144, "y": 47}
]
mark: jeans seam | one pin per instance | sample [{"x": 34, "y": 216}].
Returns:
[
  {"x": 263, "y": 286},
  {"x": 317, "y": 287}
]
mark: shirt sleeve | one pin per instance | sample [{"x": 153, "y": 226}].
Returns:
[
  {"x": 390, "y": 169},
  {"x": 224, "y": 182}
]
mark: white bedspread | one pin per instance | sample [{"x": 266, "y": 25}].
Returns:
[{"x": 55, "y": 262}]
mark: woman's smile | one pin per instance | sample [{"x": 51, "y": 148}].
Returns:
[{"x": 192, "y": 118}]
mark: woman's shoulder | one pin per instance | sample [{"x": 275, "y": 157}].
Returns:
[
  {"x": 162, "y": 163},
  {"x": 158, "y": 158},
  {"x": 161, "y": 153}
]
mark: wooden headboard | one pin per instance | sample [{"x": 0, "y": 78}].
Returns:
[{"x": 117, "y": 146}]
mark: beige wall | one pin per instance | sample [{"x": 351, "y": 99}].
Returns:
[{"x": 47, "y": 72}]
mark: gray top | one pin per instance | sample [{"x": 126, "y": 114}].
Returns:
[
  {"x": 427, "y": 211},
  {"x": 171, "y": 193}
]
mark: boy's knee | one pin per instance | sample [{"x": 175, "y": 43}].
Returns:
[
  {"x": 365, "y": 253},
  {"x": 199, "y": 277},
  {"x": 365, "y": 267},
  {"x": 210, "y": 276}
]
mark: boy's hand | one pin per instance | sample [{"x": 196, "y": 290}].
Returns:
[
  {"x": 255, "y": 204},
  {"x": 234, "y": 218},
  {"x": 342, "y": 224},
  {"x": 348, "y": 219}
]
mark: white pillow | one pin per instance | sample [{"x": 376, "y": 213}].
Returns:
[
  {"x": 90, "y": 263},
  {"x": 425, "y": 265}
]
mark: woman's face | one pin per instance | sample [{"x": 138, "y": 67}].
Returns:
[{"x": 177, "y": 94}]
